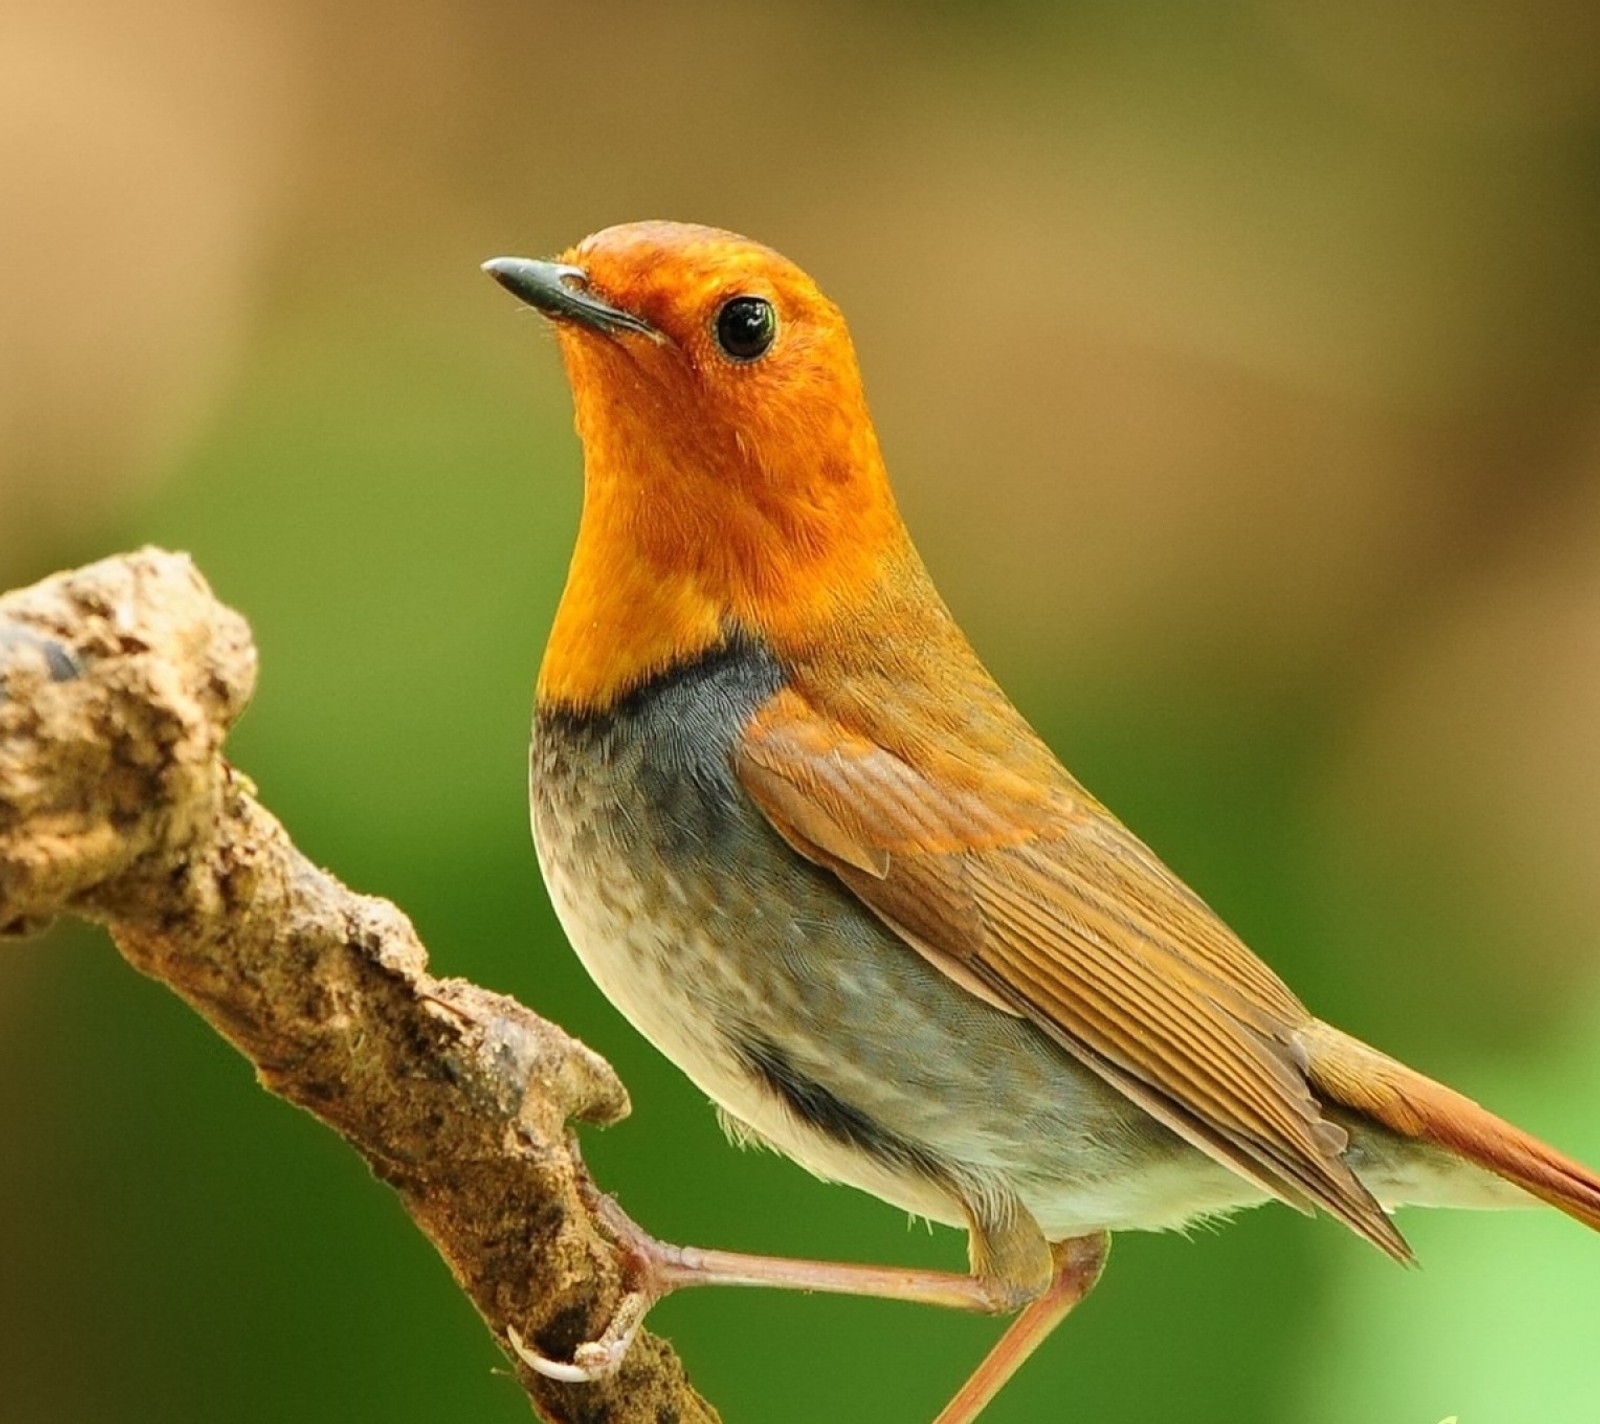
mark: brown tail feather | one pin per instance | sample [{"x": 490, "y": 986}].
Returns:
[{"x": 1404, "y": 1101}]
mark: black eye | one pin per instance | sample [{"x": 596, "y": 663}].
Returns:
[{"x": 746, "y": 326}]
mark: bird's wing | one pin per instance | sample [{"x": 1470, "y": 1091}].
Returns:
[{"x": 1037, "y": 900}]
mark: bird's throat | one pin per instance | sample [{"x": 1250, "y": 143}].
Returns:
[
  {"x": 655, "y": 587},
  {"x": 618, "y": 626}
]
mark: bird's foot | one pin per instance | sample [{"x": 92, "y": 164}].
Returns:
[
  {"x": 647, "y": 1266},
  {"x": 594, "y": 1359},
  {"x": 653, "y": 1268}
]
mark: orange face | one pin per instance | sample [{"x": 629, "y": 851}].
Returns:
[
  {"x": 732, "y": 477},
  {"x": 750, "y": 392}
]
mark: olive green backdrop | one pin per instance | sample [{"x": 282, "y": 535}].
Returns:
[{"x": 1238, "y": 368}]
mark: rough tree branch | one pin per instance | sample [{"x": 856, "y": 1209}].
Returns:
[{"x": 118, "y": 683}]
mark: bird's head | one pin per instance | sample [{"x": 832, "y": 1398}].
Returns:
[{"x": 728, "y": 452}]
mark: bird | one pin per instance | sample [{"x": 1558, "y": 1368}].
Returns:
[{"x": 805, "y": 844}]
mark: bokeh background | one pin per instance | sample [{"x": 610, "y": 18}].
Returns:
[{"x": 1240, "y": 368}]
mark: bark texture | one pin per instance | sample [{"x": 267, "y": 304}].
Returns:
[{"x": 118, "y": 684}]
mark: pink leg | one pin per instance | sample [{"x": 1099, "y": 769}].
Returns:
[
  {"x": 1078, "y": 1266},
  {"x": 657, "y": 1269}
]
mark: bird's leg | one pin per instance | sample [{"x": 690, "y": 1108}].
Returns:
[
  {"x": 656, "y": 1268},
  {"x": 1078, "y": 1266}
]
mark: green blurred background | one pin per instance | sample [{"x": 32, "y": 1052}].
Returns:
[{"x": 1240, "y": 368}]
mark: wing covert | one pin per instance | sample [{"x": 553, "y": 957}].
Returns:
[{"x": 1034, "y": 898}]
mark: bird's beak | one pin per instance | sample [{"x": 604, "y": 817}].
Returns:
[{"x": 561, "y": 293}]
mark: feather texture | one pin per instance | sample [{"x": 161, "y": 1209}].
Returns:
[{"x": 1049, "y": 908}]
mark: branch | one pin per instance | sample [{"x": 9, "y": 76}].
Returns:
[{"x": 118, "y": 683}]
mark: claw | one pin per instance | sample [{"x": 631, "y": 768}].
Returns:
[
  {"x": 592, "y": 1360},
  {"x": 544, "y": 1365},
  {"x": 643, "y": 1259}
]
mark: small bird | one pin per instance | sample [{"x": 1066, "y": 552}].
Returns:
[{"x": 802, "y": 840}]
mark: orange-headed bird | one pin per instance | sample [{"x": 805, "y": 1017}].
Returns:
[{"x": 805, "y": 844}]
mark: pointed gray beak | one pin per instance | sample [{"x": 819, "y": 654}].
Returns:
[{"x": 561, "y": 293}]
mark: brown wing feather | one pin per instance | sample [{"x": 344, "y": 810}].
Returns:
[{"x": 1034, "y": 898}]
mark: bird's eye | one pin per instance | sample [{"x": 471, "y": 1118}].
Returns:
[{"x": 746, "y": 327}]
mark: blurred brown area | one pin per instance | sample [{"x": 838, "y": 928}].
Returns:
[
  {"x": 144, "y": 156},
  {"x": 1239, "y": 367}
]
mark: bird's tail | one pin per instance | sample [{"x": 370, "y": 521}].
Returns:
[{"x": 1360, "y": 1078}]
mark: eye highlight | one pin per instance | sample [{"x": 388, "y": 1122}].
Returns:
[{"x": 745, "y": 327}]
